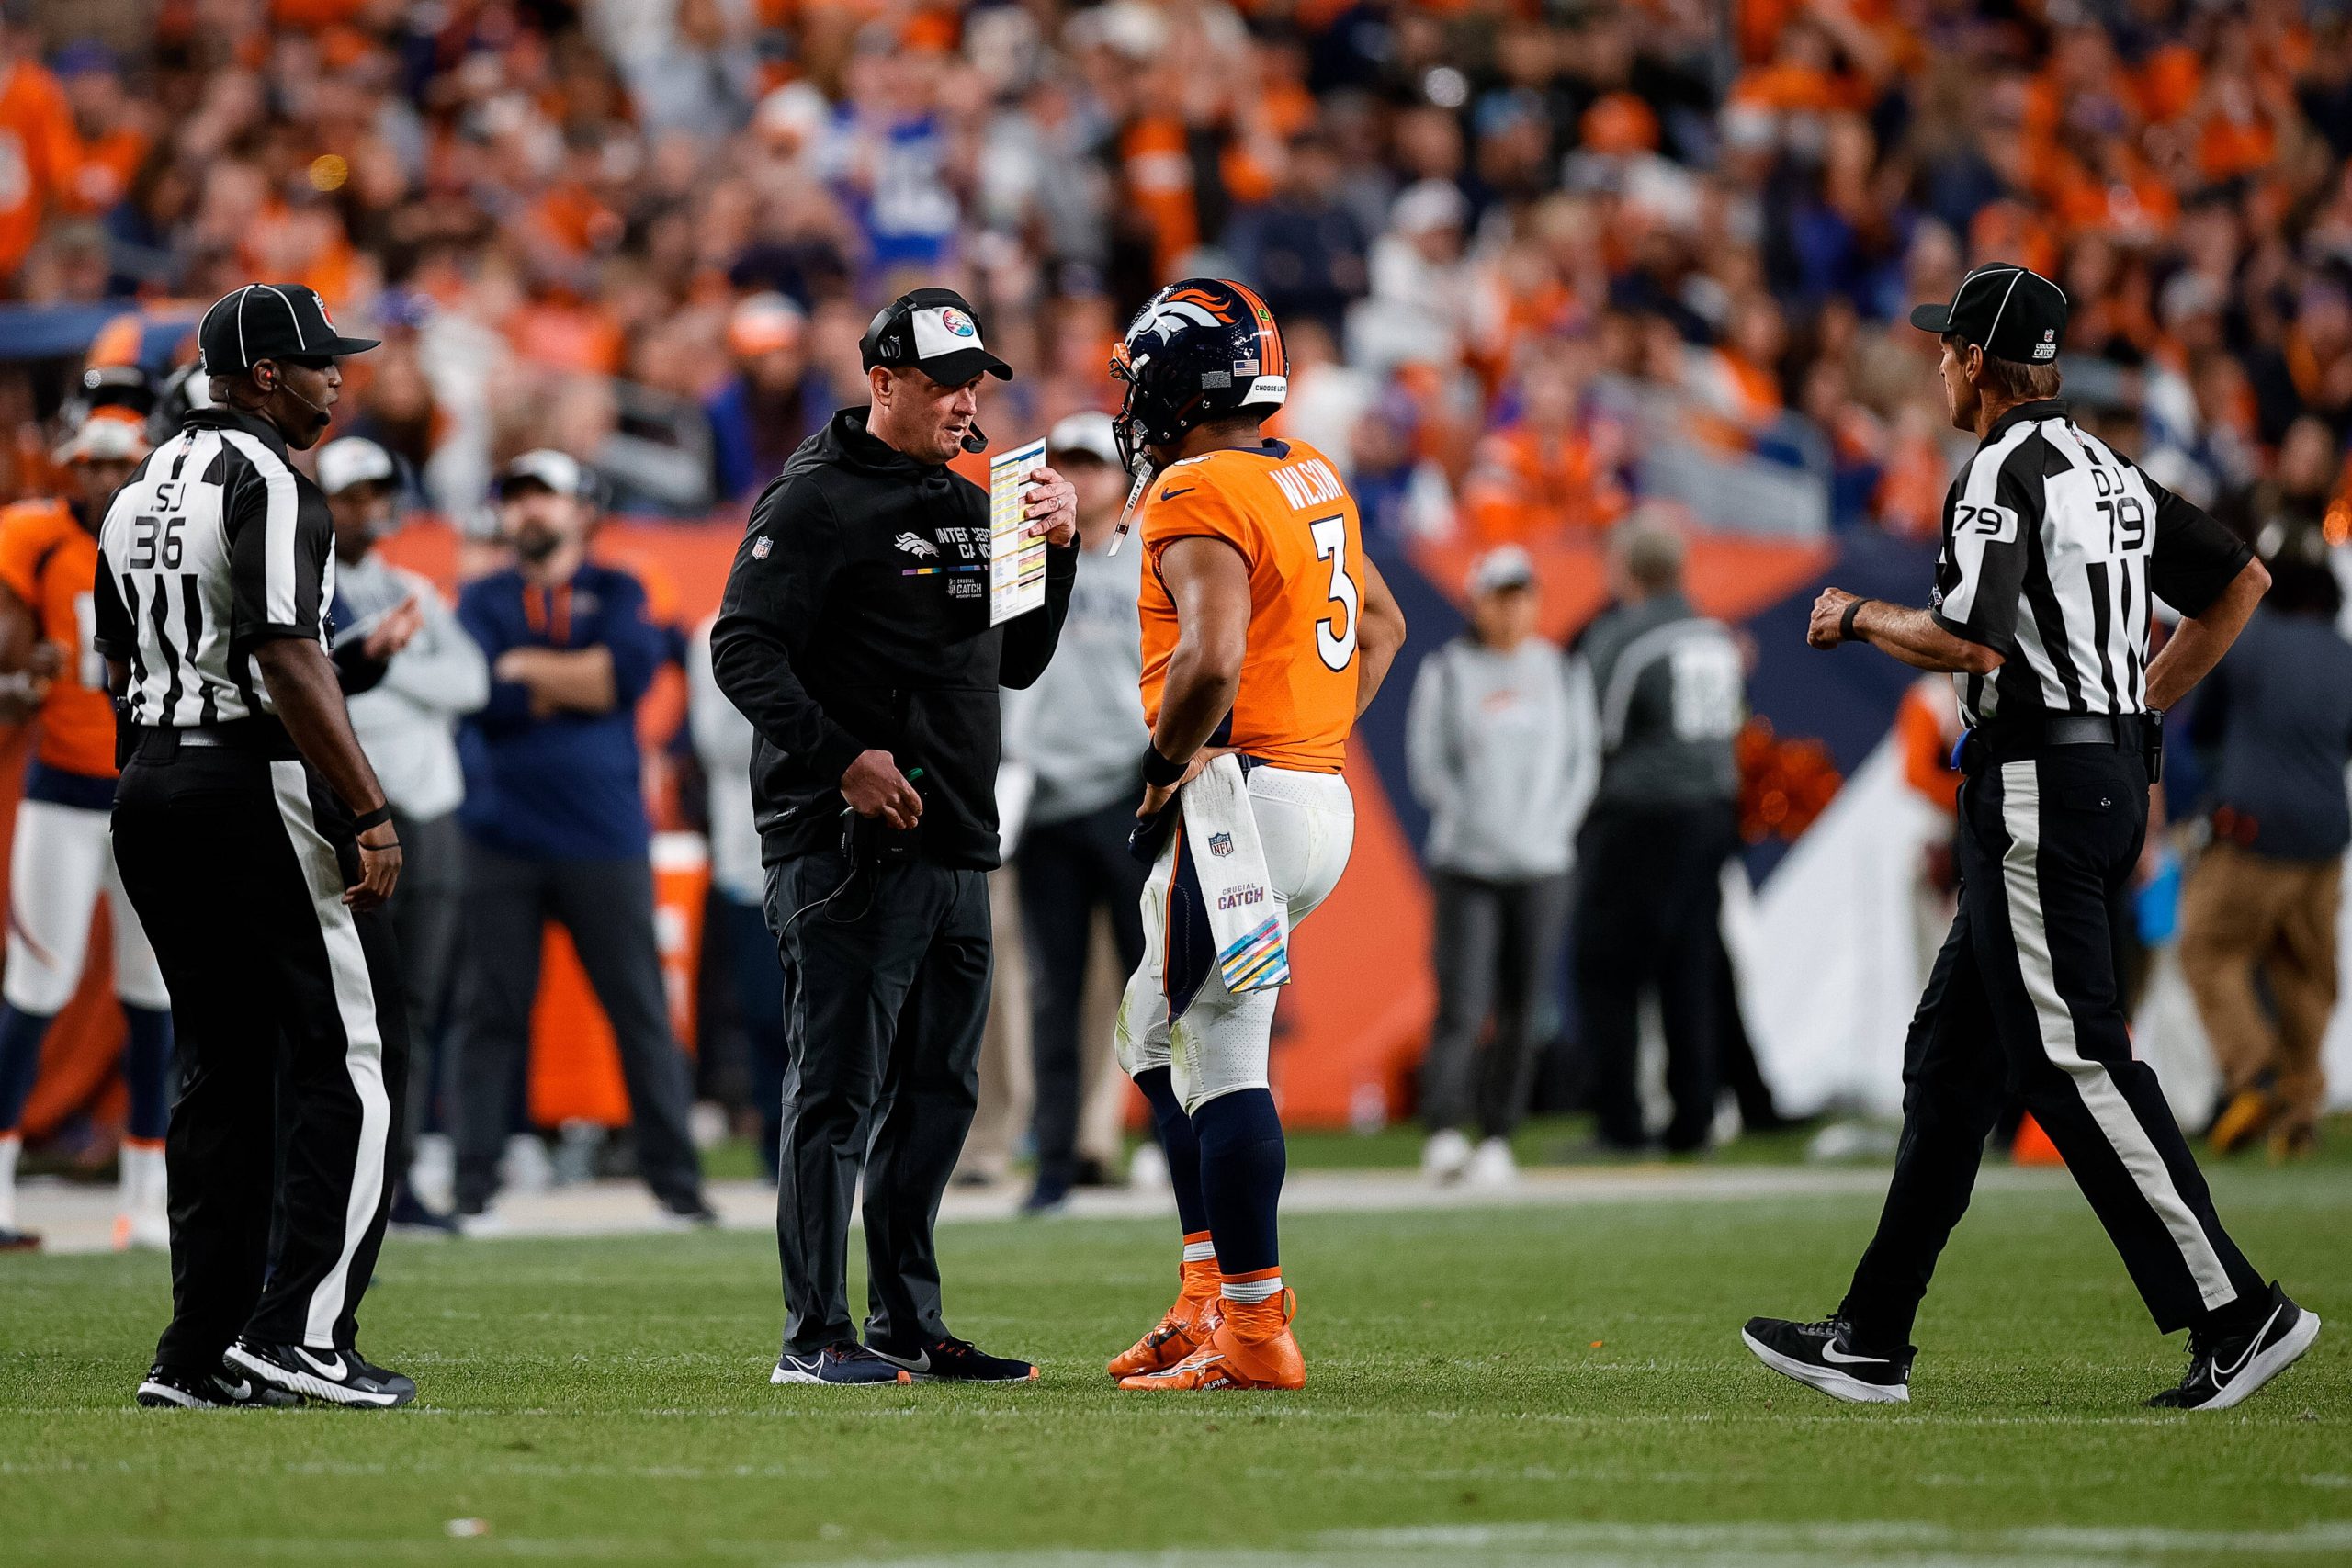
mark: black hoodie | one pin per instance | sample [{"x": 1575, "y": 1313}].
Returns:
[{"x": 856, "y": 617}]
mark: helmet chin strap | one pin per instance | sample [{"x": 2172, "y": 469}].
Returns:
[{"x": 1127, "y": 513}]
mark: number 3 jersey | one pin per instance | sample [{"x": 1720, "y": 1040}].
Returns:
[
  {"x": 1281, "y": 506},
  {"x": 217, "y": 544},
  {"x": 48, "y": 559}
]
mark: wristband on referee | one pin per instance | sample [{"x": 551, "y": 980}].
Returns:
[
  {"x": 1158, "y": 772},
  {"x": 375, "y": 818},
  {"x": 1845, "y": 622}
]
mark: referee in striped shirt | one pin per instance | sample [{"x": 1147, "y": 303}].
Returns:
[
  {"x": 258, "y": 849},
  {"x": 2054, "y": 547}
]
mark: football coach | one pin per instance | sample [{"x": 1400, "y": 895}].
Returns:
[
  {"x": 855, "y": 635},
  {"x": 2054, "y": 547}
]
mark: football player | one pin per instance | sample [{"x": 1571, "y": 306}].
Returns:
[
  {"x": 63, "y": 858},
  {"x": 1265, "y": 633}
]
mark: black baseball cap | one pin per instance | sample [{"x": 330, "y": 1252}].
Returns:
[
  {"x": 934, "y": 330},
  {"x": 270, "y": 320},
  {"x": 2009, "y": 311}
]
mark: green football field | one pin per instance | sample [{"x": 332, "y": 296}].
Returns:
[{"x": 1496, "y": 1386}]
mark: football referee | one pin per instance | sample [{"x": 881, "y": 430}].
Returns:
[
  {"x": 2054, "y": 547},
  {"x": 258, "y": 849}
]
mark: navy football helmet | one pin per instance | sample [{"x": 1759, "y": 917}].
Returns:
[{"x": 1203, "y": 349}]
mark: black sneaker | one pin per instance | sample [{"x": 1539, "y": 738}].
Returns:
[
  {"x": 1050, "y": 1196},
  {"x": 691, "y": 1213},
  {"x": 2224, "y": 1368},
  {"x": 956, "y": 1360},
  {"x": 14, "y": 1240},
  {"x": 846, "y": 1364},
  {"x": 336, "y": 1377},
  {"x": 175, "y": 1388},
  {"x": 1822, "y": 1355},
  {"x": 409, "y": 1214}
]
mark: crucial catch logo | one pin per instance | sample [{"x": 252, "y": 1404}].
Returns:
[{"x": 916, "y": 547}]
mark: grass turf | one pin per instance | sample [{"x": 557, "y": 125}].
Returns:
[{"x": 1505, "y": 1385}]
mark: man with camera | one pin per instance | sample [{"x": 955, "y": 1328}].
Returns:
[{"x": 855, "y": 637}]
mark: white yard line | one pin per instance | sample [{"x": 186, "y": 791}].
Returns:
[{"x": 73, "y": 1219}]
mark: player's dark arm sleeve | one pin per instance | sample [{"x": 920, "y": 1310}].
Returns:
[
  {"x": 775, "y": 594},
  {"x": 2195, "y": 556},
  {"x": 279, "y": 534},
  {"x": 1030, "y": 639},
  {"x": 1991, "y": 547}
]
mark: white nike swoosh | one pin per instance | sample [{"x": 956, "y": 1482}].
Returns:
[
  {"x": 242, "y": 1391},
  {"x": 334, "y": 1371},
  {"x": 2221, "y": 1375},
  {"x": 1831, "y": 1353},
  {"x": 921, "y": 1364}
]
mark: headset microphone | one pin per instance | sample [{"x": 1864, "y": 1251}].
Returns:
[
  {"x": 285, "y": 386},
  {"x": 975, "y": 441}
]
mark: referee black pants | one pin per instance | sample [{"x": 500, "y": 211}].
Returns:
[
  {"x": 885, "y": 995},
  {"x": 288, "y": 1013},
  {"x": 2025, "y": 1000}
]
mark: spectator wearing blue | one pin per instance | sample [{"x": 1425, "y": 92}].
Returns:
[
  {"x": 761, "y": 414},
  {"x": 2258, "y": 914},
  {"x": 555, "y": 825}
]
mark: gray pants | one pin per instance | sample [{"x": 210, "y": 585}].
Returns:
[
  {"x": 886, "y": 994},
  {"x": 424, "y": 928},
  {"x": 1497, "y": 946},
  {"x": 607, "y": 907}
]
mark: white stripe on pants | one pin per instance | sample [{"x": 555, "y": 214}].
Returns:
[
  {"x": 2020, "y": 876},
  {"x": 363, "y": 1044}
]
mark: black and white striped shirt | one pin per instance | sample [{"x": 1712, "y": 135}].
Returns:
[
  {"x": 2053, "y": 546},
  {"x": 216, "y": 544}
]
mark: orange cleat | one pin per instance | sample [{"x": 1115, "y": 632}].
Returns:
[
  {"x": 1250, "y": 1347},
  {"x": 1184, "y": 1329}
]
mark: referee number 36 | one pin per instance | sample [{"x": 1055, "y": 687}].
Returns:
[{"x": 156, "y": 540}]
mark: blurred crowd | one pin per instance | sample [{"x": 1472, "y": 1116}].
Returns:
[{"x": 1516, "y": 245}]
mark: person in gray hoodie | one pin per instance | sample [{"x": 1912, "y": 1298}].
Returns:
[
  {"x": 406, "y": 724},
  {"x": 1498, "y": 741},
  {"x": 1081, "y": 731}
]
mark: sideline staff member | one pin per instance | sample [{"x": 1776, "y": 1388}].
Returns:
[
  {"x": 2053, "y": 546},
  {"x": 855, "y": 635},
  {"x": 258, "y": 849}
]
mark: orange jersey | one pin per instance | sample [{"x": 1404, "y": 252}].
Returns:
[
  {"x": 1282, "y": 507},
  {"x": 39, "y": 155},
  {"x": 49, "y": 561}
]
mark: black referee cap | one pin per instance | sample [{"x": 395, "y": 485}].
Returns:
[
  {"x": 270, "y": 320},
  {"x": 934, "y": 330},
  {"x": 2008, "y": 310}
]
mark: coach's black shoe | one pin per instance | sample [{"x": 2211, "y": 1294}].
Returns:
[
  {"x": 954, "y": 1360},
  {"x": 175, "y": 1388},
  {"x": 335, "y": 1377},
  {"x": 847, "y": 1364},
  {"x": 14, "y": 1240},
  {"x": 2223, "y": 1369},
  {"x": 690, "y": 1213},
  {"x": 409, "y": 1215},
  {"x": 1822, "y": 1355}
]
